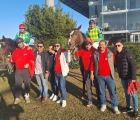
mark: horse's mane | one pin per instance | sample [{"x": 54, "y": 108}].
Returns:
[
  {"x": 83, "y": 35},
  {"x": 82, "y": 45}
]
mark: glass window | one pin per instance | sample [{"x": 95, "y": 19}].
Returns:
[
  {"x": 114, "y": 22},
  {"x": 112, "y": 37},
  {"x": 113, "y": 5},
  {"x": 133, "y": 22},
  {"x": 132, "y": 4}
]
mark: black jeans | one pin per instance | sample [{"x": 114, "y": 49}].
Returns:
[
  {"x": 54, "y": 87},
  {"x": 20, "y": 77}
]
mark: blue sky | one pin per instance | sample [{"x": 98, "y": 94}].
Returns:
[{"x": 12, "y": 14}]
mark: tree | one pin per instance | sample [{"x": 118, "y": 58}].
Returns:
[{"x": 45, "y": 23}]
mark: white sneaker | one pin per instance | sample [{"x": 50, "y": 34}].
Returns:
[
  {"x": 103, "y": 108},
  {"x": 52, "y": 96},
  {"x": 55, "y": 98},
  {"x": 27, "y": 100},
  {"x": 17, "y": 100},
  {"x": 64, "y": 103},
  {"x": 116, "y": 111},
  {"x": 26, "y": 95},
  {"x": 59, "y": 101}
]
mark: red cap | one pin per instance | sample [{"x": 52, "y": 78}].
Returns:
[
  {"x": 88, "y": 42},
  {"x": 22, "y": 26}
]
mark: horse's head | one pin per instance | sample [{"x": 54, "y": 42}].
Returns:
[
  {"x": 9, "y": 43},
  {"x": 76, "y": 38}
]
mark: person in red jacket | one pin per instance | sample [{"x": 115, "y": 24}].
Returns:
[
  {"x": 22, "y": 57},
  {"x": 102, "y": 68},
  {"x": 85, "y": 55}
]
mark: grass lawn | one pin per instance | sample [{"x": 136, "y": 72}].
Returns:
[{"x": 75, "y": 110}]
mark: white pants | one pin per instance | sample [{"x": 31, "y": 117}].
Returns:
[
  {"x": 95, "y": 45},
  {"x": 26, "y": 44}
]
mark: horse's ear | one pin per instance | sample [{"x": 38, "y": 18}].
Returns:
[
  {"x": 3, "y": 37},
  {"x": 79, "y": 27}
]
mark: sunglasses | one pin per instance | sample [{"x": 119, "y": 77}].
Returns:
[
  {"x": 39, "y": 46},
  {"x": 57, "y": 45},
  {"x": 117, "y": 45}
]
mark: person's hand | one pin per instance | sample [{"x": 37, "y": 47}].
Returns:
[
  {"x": 68, "y": 51},
  {"x": 52, "y": 51},
  {"x": 26, "y": 65},
  {"x": 46, "y": 75},
  {"x": 29, "y": 48},
  {"x": 92, "y": 77},
  {"x": 133, "y": 81},
  {"x": 8, "y": 59}
]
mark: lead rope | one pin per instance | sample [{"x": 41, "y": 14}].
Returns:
[
  {"x": 9, "y": 66},
  {"x": 75, "y": 60}
]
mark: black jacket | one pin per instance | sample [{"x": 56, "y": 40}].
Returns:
[
  {"x": 126, "y": 64},
  {"x": 51, "y": 57},
  {"x": 45, "y": 61}
]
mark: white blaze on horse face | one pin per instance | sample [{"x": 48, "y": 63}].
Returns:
[
  {"x": 71, "y": 35},
  {"x": 0, "y": 45}
]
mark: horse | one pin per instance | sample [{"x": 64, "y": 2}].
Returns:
[
  {"x": 7, "y": 47},
  {"x": 77, "y": 39},
  {"x": 10, "y": 45}
]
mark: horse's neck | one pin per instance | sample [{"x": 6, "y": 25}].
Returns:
[
  {"x": 81, "y": 39},
  {"x": 80, "y": 47}
]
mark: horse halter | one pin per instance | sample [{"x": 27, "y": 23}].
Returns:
[{"x": 76, "y": 39}]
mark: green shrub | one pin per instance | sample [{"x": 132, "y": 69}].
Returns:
[{"x": 134, "y": 48}]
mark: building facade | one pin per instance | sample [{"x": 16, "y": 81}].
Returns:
[{"x": 118, "y": 18}]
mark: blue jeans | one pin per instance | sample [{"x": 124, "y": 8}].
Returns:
[
  {"x": 43, "y": 84},
  {"x": 61, "y": 84},
  {"x": 127, "y": 96},
  {"x": 104, "y": 81}
]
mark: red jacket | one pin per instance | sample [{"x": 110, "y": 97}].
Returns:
[
  {"x": 104, "y": 68},
  {"x": 85, "y": 56},
  {"x": 21, "y": 57},
  {"x": 57, "y": 65}
]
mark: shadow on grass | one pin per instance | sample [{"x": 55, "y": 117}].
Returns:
[
  {"x": 77, "y": 92},
  {"x": 75, "y": 77},
  {"x": 35, "y": 89},
  {"x": 10, "y": 78},
  {"x": 138, "y": 74},
  {"x": 78, "y": 74},
  {"x": 9, "y": 111}
]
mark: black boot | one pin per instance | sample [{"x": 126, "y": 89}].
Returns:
[{"x": 136, "y": 115}]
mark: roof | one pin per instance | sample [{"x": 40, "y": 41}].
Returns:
[{"x": 80, "y": 6}]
